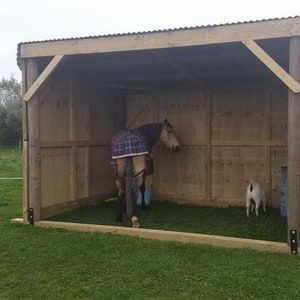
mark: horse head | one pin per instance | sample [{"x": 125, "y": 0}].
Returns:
[{"x": 168, "y": 138}]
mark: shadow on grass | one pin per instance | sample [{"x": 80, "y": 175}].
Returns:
[{"x": 231, "y": 221}]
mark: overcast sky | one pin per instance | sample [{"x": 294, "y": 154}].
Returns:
[{"x": 28, "y": 20}]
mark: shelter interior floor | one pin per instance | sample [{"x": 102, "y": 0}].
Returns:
[{"x": 165, "y": 215}]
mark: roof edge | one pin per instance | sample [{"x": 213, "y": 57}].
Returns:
[{"x": 133, "y": 34}]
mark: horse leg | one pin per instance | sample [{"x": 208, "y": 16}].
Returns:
[
  {"x": 139, "y": 163},
  {"x": 120, "y": 183},
  {"x": 121, "y": 195},
  {"x": 136, "y": 185},
  {"x": 142, "y": 189}
]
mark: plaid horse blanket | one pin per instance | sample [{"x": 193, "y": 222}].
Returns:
[{"x": 129, "y": 142}]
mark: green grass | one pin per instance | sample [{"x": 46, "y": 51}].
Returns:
[
  {"x": 230, "y": 221},
  {"x": 38, "y": 263},
  {"x": 10, "y": 162}
]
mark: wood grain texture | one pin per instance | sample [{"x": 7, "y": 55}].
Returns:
[
  {"x": 294, "y": 142},
  {"x": 284, "y": 76},
  {"x": 41, "y": 79},
  {"x": 168, "y": 39},
  {"x": 227, "y": 138},
  {"x": 164, "y": 235},
  {"x": 34, "y": 167},
  {"x": 77, "y": 122}
]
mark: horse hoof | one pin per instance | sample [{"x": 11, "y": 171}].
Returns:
[{"x": 135, "y": 222}]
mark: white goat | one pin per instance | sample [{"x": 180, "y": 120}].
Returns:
[{"x": 255, "y": 198}]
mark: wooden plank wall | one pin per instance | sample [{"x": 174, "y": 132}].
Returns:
[
  {"x": 227, "y": 138},
  {"x": 76, "y": 124}
]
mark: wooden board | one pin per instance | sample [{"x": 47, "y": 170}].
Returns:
[
  {"x": 264, "y": 57},
  {"x": 279, "y": 116},
  {"x": 180, "y": 174},
  {"x": 187, "y": 113},
  {"x": 239, "y": 116},
  {"x": 168, "y": 39},
  {"x": 278, "y": 160},
  {"x": 102, "y": 179},
  {"x": 102, "y": 114},
  {"x": 165, "y": 235},
  {"x": 43, "y": 77},
  {"x": 243, "y": 129},
  {"x": 54, "y": 110},
  {"x": 78, "y": 119},
  {"x": 82, "y": 173},
  {"x": 294, "y": 142},
  {"x": 141, "y": 110},
  {"x": 55, "y": 176},
  {"x": 232, "y": 169}
]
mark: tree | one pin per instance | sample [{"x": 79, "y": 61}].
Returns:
[{"x": 10, "y": 111}]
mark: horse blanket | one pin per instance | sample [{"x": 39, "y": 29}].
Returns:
[{"x": 128, "y": 143}]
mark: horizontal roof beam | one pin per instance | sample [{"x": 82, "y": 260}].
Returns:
[{"x": 165, "y": 39}]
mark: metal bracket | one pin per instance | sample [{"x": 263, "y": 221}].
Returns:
[
  {"x": 293, "y": 241},
  {"x": 31, "y": 216}
]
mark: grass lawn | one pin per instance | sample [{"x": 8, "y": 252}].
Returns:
[
  {"x": 10, "y": 162},
  {"x": 230, "y": 221},
  {"x": 38, "y": 263}
]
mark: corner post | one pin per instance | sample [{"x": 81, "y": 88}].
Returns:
[
  {"x": 294, "y": 142},
  {"x": 34, "y": 163}
]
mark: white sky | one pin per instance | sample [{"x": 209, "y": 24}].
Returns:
[{"x": 28, "y": 20}]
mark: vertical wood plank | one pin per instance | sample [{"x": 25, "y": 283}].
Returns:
[
  {"x": 208, "y": 166},
  {"x": 294, "y": 142},
  {"x": 73, "y": 137},
  {"x": 34, "y": 160},
  {"x": 120, "y": 110},
  {"x": 88, "y": 168},
  {"x": 268, "y": 148}
]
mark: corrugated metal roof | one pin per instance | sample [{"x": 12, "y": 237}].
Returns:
[
  {"x": 148, "y": 32},
  {"x": 157, "y": 31}
]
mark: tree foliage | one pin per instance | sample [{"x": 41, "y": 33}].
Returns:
[{"x": 10, "y": 111}]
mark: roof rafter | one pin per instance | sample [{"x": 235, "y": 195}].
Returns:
[
  {"x": 43, "y": 77},
  {"x": 266, "y": 59}
]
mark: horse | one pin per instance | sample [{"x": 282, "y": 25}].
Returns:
[{"x": 131, "y": 154}]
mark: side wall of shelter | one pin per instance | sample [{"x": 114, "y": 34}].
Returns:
[
  {"x": 77, "y": 120},
  {"x": 227, "y": 138}
]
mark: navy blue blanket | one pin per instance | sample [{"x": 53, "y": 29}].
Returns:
[{"x": 127, "y": 143}]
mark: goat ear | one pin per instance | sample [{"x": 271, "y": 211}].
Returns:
[{"x": 166, "y": 121}]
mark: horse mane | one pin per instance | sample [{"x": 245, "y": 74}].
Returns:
[{"x": 152, "y": 133}]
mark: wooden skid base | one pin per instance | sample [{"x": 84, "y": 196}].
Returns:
[{"x": 175, "y": 236}]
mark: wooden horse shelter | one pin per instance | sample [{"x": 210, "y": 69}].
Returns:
[{"x": 231, "y": 91}]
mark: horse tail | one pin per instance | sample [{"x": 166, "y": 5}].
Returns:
[{"x": 128, "y": 185}]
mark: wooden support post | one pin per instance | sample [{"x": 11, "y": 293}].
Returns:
[
  {"x": 294, "y": 142},
  {"x": 25, "y": 145},
  {"x": 34, "y": 165},
  {"x": 288, "y": 79},
  {"x": 41, "y": 79}
]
